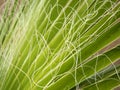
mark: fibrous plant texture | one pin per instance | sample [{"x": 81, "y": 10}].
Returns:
[{"x": 59, "y": 45}]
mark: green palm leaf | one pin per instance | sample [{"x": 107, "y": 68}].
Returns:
[{"x": 55, "y": 45}]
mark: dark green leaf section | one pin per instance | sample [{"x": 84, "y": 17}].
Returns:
[
  {"x": 107, "y": 84},
  {"x": 86, "y": 70},
  {"x": 100, "y": 76}
]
